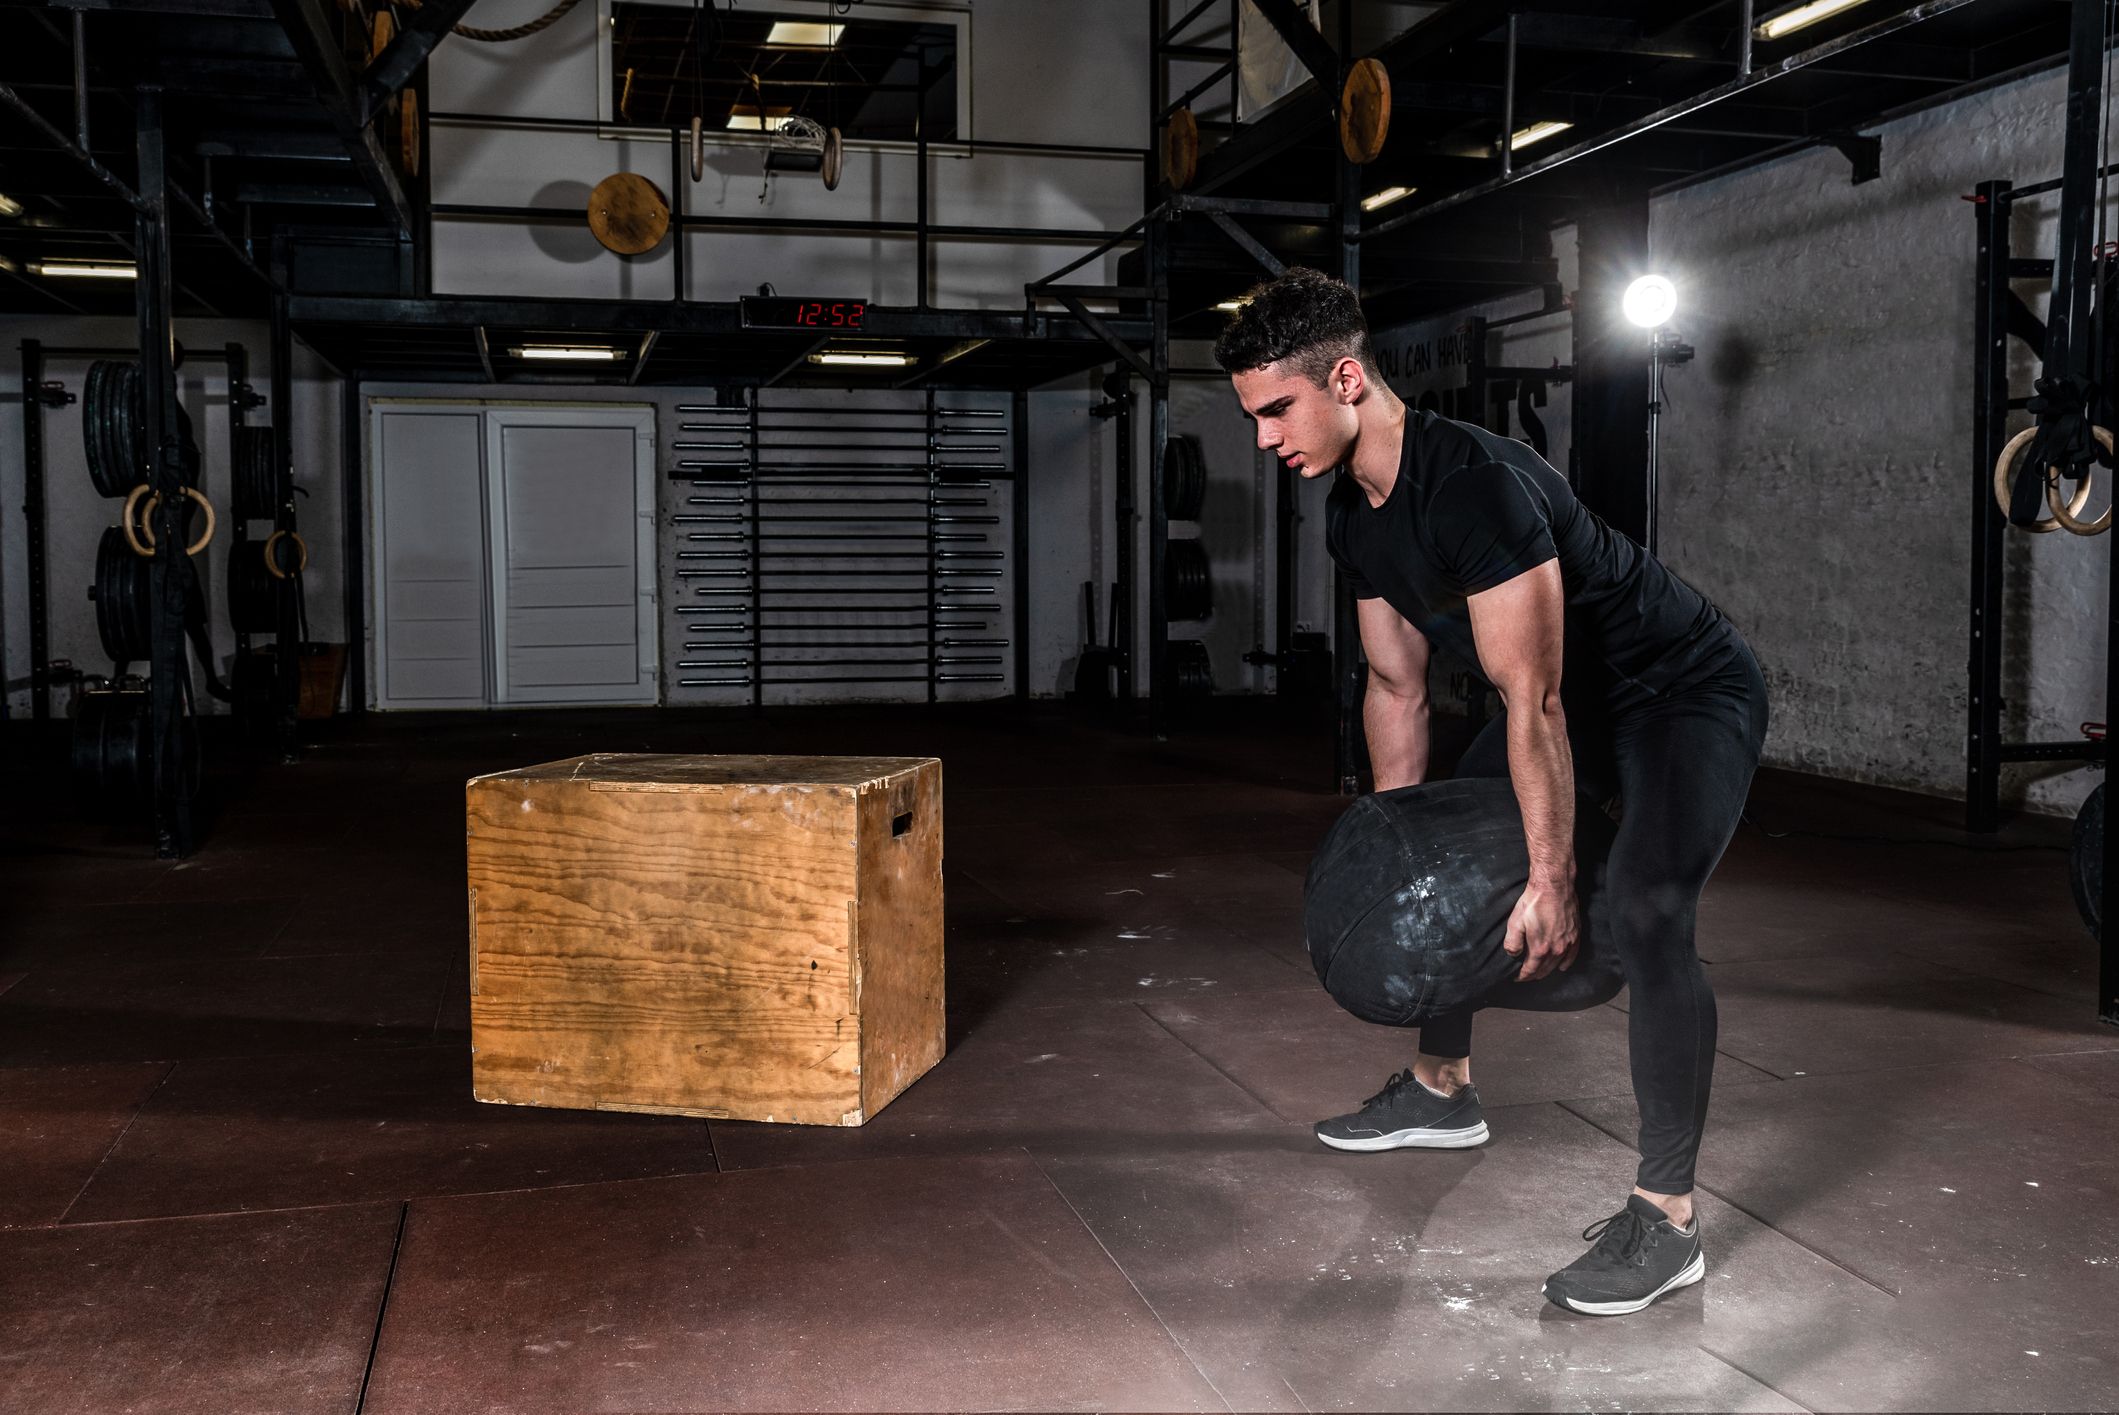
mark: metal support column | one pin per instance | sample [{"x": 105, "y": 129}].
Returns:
[
  {"x": 680, "y": 161},
  {"x": 169, "y": 684},
  {"x": 934, "y": 584},
  {"x": 238, "y": 526},
  {"x": 1119, "y": 388},
  {"x": 1019, "y": 514},
  {"x": 352, "y": 540},
  {"x": 919, "y": 132},
  {"x": 1159, "y": 693},
  {"x": 1990, "y": 411},
  {"x": 1508, "y": 101},
  {"x": 2108, "y": 941},
  {"x": 287, "y": 650},
  {"x": 33, "y": 566},
  {"x": 1611, "y": 368},
  {"x": 2068, "y": 353}
]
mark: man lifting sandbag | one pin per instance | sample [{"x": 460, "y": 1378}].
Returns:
[{"x": 1617, "y": 679}]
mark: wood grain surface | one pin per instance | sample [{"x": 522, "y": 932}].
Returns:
[
  {"x": 658, "y": 933},
  {"x": 1365, "y": 111},
  {"x": 1181, "y": 149},
  {"x": 628, "y": 213}
]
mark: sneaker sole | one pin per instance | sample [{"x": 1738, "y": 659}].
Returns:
[
  {"x": 1462, "y": 1139},
  {"x": 1694, "y": 1271}
]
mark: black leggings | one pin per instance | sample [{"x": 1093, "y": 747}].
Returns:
[{"x": 1681, "y": 766}]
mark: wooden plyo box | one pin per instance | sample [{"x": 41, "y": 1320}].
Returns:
[{"x": 743, "y": 938}]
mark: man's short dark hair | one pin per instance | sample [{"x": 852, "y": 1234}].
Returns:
[{"x": 1304, "y": 318}]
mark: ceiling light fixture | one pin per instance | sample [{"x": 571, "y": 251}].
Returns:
[
  {"x": 747, "y": 120},
  {"x": 578, "y": 353},
  {"x": 1802, "y": 17},
  {"x": 1537, "y": 132},
  {"x": 799, "y": 35},
  {"x": 1376, "y": 201},
  {"x": 89, "y": 269},
  {"x": 9, "y": 206},
  {"x": 858, "y": 358},
  {"x": 1231, "y": 306}
]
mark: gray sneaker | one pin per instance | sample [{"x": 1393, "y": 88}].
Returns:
[
  {"x": 1406, "y": 1115},
  {"x": 1639, "y": 1256}
]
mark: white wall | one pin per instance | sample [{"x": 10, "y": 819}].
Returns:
[{"x": 1818, "y": 454}]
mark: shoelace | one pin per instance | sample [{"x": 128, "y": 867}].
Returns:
[
  {"x": 1619, "y": 1236},
  {"x": 1391, "y": 1087}
]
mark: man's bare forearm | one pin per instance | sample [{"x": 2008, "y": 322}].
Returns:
[
  {"x": 1397, "y": 733},
  {"x": 1541, "y": 764}
]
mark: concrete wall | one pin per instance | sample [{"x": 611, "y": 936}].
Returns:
[{"x": 1818, "y": 454}]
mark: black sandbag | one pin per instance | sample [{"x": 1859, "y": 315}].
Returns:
[{"x": 1408, "y": 898}]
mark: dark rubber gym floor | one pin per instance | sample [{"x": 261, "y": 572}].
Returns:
[{"x": 240, "y": 1168}]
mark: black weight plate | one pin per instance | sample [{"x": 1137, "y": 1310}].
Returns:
[
  {"x": 111, "y": 751},
  {"x": 123, "y": 604},
  {"x": 256, "y": 488},
  {"x": 124, "y": 460},
  {"x": 1184, "y": 478},
  {"x": 125, "y": 423},
  {"x": 2086, "y": 861},
  {"x": 1188, "y": 669},
  {"x": 91, "y": 399},
  {"x": 1187, "y": 582},
  {"x": 104, "y": 469}
]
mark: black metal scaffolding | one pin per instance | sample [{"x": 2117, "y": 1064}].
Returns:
[{"x": 2068, "y": 346}]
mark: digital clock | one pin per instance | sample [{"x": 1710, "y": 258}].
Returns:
[{"x": 785, "y": 312}]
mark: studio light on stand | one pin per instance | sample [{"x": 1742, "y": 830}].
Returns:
[{"x": 1649, "y": 302}]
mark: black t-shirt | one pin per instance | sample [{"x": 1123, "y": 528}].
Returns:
[{"x": 1472, "y": 510}]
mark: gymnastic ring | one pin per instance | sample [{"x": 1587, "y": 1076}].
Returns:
[
  {"x": 698, "y": 148},
  {"x": 2005, "y": 465},
  {"x": 126, "y": 520},
  {"x": 272, "y": 563},
  {"x": 2066, "y": 515},
  {"x": 146, "y": 548}
]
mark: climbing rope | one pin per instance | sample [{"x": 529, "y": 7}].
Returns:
[{"x": 500, "y": 36}]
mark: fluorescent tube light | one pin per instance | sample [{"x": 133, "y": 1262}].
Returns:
[
  {"x": 601, "y": 353},
  {"x": 747, "y": 120},
  {"x": 1802, "y": 17},
  {"x": 803, "y": 35},
  {"x": 850, "y": 358},
  {"x": 89, "y": 269},
  {"x": 1537, "y": 132},
  {"x": 1376, "y": 201}
]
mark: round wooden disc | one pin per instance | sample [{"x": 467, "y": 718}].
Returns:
[
  {"x": 628, "y": 213},
  {"x": 1181, "y": 149},
  {"x": 1365, "y": 111},
  {"x": 834, "y": 160},
  {"x": 380, "y": 34},
  {"x": 408, "y": 131}
]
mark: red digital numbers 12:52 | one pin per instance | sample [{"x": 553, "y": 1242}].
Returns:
[{"x": 840, "y": 314}]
